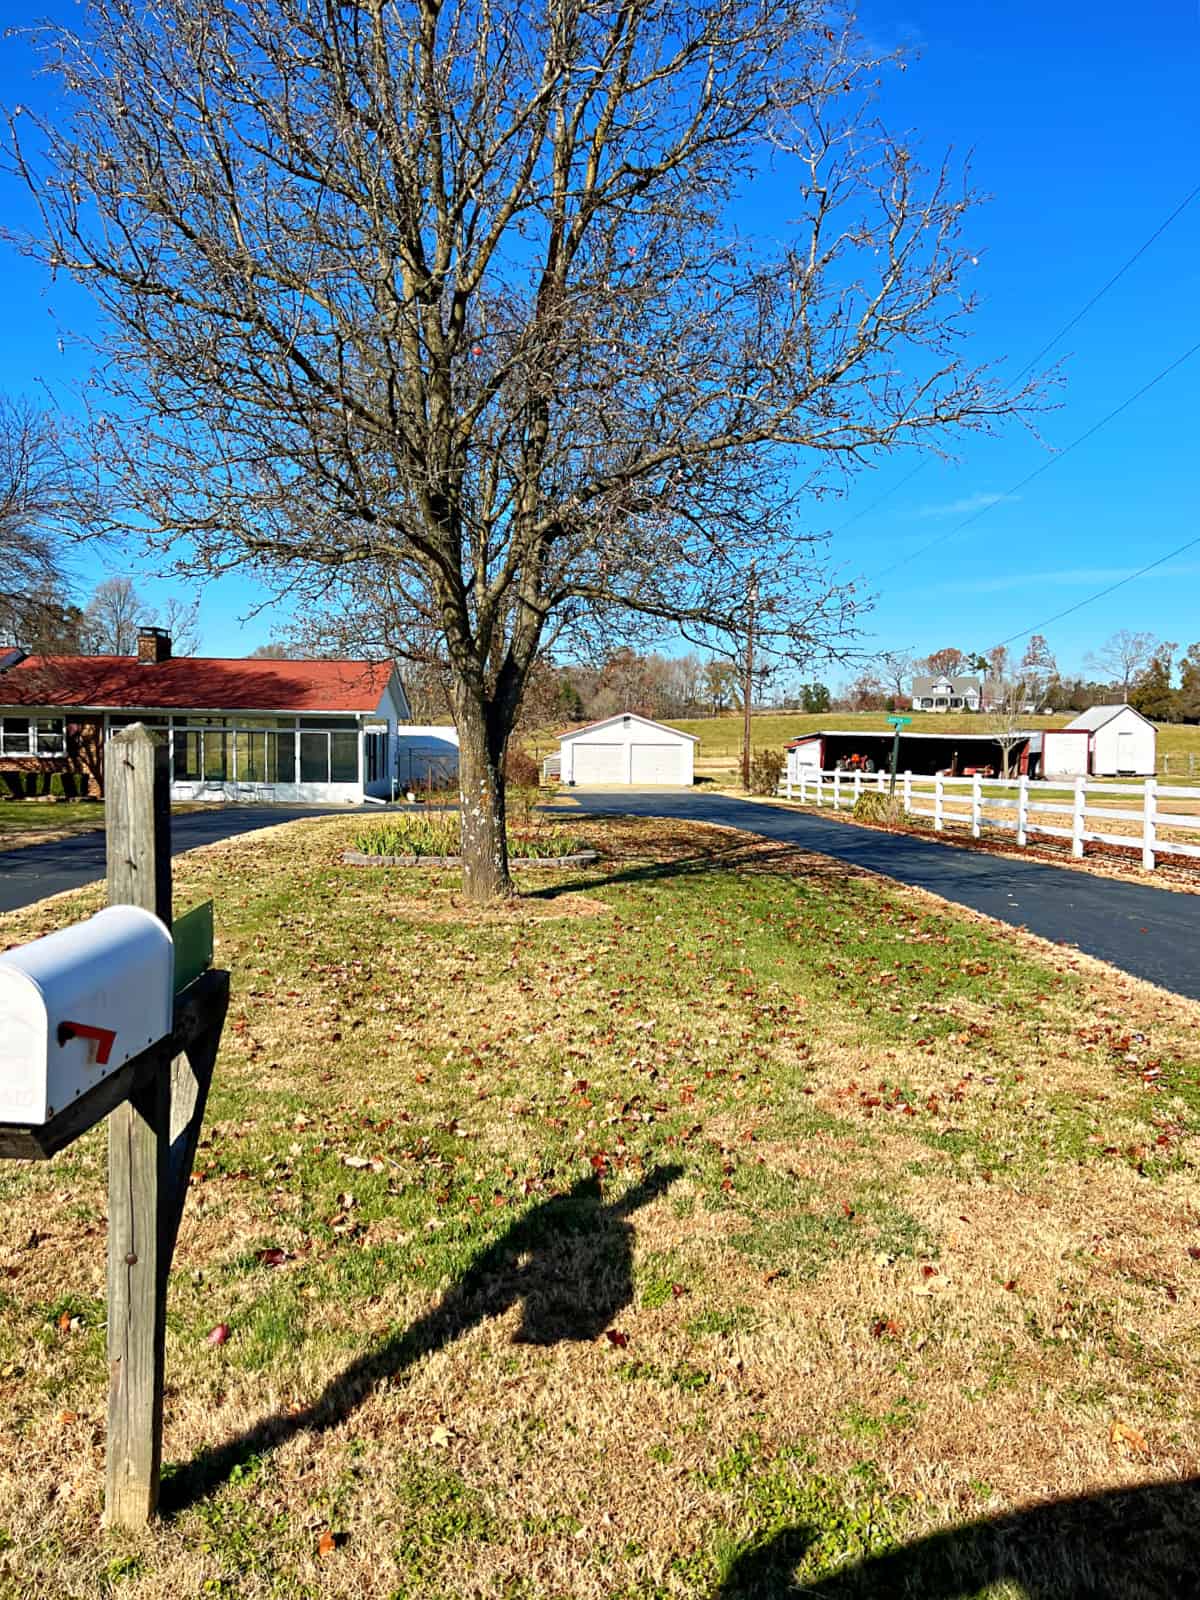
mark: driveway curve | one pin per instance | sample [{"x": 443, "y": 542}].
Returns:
[
  {"x": 31, "y": 873},
  {"x": 1151, "y": 933}
]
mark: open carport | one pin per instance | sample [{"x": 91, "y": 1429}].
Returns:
[{"x": 955, "y": 754}]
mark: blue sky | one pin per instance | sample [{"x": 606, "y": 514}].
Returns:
[{"x": 1083, "y": 126}]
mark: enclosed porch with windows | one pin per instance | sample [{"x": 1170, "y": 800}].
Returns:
[{"x": 327, "y": 760}]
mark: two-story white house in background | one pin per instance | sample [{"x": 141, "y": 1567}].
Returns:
[{"x": 944, "y": 693}]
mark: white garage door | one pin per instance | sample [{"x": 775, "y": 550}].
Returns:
[
  {"x": 599, "y": 763},
  {"x": 656, "y": 763}
]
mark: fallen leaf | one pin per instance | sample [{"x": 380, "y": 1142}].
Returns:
[
  {"x": 274, "y": 1257},
  {"x": 616, "y": 1337},
  {"x": 219, "y": 1334},
  {"x": 1122, "y": 1433},
  {"x": 326, "y": 1544}
]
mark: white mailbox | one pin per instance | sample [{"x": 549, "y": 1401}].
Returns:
[{"x": 76, "y": 1007}]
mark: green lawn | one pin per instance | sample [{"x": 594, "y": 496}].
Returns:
[
  {"x": 33, "y": 816},
  {"x": 710, "y": 1223}
]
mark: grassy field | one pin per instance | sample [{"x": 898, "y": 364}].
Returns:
[
  {"x": 711, "y": 1223},
  {"x": 721, "y": 737}
]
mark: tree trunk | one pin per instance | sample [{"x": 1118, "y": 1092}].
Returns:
[{"x": 481, "y": 792}]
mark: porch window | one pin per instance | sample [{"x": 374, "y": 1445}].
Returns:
[
  {"x": 14, "y": 736},
  {"x": 217, "y": 754},
  {"x": 32, "y": 736},
  {"x": 329, "y": 750},
  {"x": 51, "y": 736}
]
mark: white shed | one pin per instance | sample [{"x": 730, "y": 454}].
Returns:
[
  {"x": 1120, "y": 742},
  {"x": 426, "y": 754},
  {"x": 628, "y": 749}
]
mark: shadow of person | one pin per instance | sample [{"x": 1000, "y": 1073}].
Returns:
[
  {"x": 568, "y": 1262},
  {"x": 1141, "y": 1543}
]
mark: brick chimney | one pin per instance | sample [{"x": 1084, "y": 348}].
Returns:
[{"x": 154, "y": 645}]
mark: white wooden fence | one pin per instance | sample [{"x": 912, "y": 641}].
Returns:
[{"x": 1021, "y": 805}]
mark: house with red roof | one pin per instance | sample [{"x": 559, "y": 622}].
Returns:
[{"x": 244, "y": 730}]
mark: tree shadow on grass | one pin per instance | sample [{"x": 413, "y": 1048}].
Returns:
[
  {"x": 752, "y": 854},
  {"x": 1141, "y": 1543},
  {"x": 568, "y": 1261}
]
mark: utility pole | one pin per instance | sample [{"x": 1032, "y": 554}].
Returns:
[{"x": 748, "y": 680}]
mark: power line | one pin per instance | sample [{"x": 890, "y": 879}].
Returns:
[
  {"x": 1033, "y": 360},
  {"x": 1100, "y": 593},
  {"x": 1045, "y": 466},
  {"x": 1116, "y": 277},
  {"x": 886, "y": 495}
]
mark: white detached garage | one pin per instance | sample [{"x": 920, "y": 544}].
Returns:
[
  {"x": 628, "y": 749},
  {"x": 1107, "y": 742}
]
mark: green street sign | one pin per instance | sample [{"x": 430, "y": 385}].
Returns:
[{"x": 899, "y": 722}]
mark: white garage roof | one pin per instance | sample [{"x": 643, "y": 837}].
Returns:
[
  {"x": 624, "y": 719},
  {"x": 1097, "y": 716}
]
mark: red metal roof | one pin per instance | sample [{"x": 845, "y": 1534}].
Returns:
[{"x": 195, "y": 683}]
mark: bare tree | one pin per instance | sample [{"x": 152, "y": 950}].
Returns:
[
  {"x": 1123, "y": 659},
  {"x": 1005, "y": 719},
  {"x": 116, "y": 611},
  {"x": 113, "y": 616},
  {"x": 181, "y": 619},
  {"x": 895, "y": 668},
  {"x": 1038, "y": 669},
  {"x": 453, "y": 291},
  {"x": 46, "y": 501}
]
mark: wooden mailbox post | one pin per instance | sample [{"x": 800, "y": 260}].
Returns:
[{"x": 155, "y": 1104}]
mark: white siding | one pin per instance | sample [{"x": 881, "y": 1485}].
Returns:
[
  {"x": 1126, "y": 745},
  {"x": 1065, "y": 752},
  {"x": 425, "y": 752},
  {"x": 807, "y": 754},
  {"x": 628, "y": 749}
]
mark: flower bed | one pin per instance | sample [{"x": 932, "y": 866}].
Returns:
[{"x": 436, "y": 842}]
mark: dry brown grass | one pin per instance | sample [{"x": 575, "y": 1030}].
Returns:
[{"x": 926, "y": 1257}]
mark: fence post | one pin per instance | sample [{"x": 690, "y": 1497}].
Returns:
[
  {"x": 908, "y": 791},
  {"x": 820, "y": 776},
  {"x": 1023, "y": 809},
  {"x": 837, "y": 788},
  {"x": 857, "y": 785},
  {"x": 138, "y": 825},
  {"x": 939, "y": 804},
  {"x": 1077, "y": 817},
  {"x": 976, "y": 806},
  {"x": 788, "y": 784},
  {"x": 1149, "y": 823}
]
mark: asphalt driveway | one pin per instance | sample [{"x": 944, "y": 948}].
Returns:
[
  {"x": 1151, "y": 933},
  {"x": 33, "y": 872}
]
